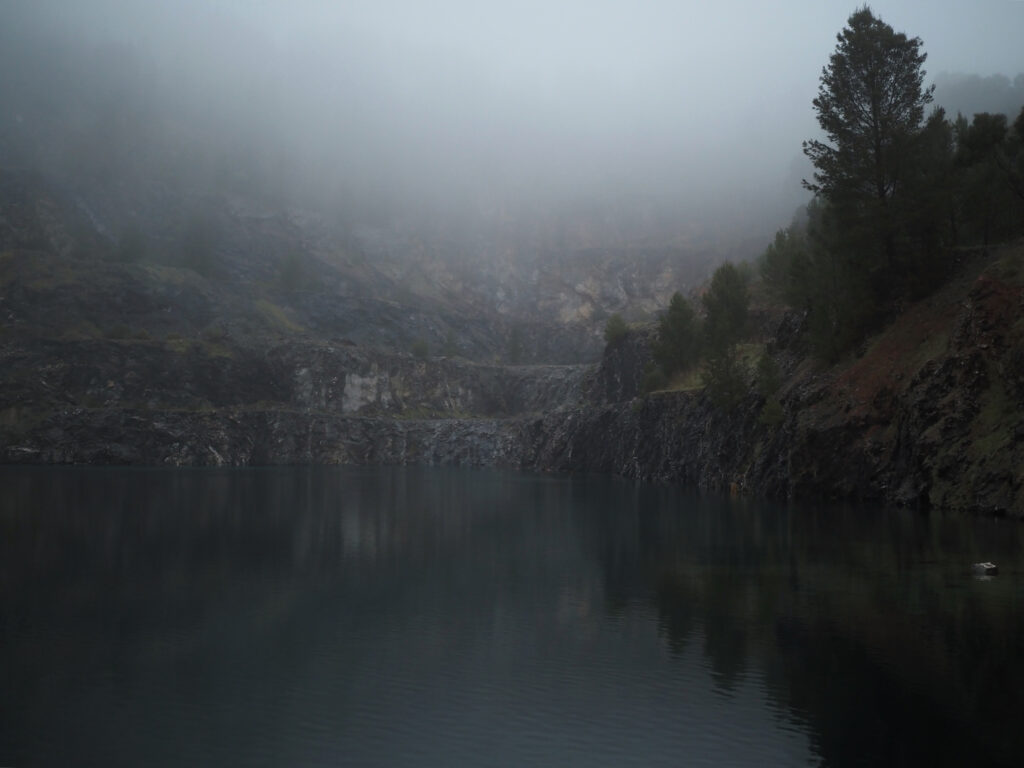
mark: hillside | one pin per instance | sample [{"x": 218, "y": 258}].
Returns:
[
  {"x": 929, "y": 412},
  {"x": 149, "y": 361}
]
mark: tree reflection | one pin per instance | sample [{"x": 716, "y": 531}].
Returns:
[
  {"x": 863, "y": 623},
  {"x": 863, "y": 627}
]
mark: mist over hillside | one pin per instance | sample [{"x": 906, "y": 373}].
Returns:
[
  {"x": 507, "y": 126},
  {"x": 312, "y": 214},
  {"x": 969, "y": 94},
  {"x": 508, "y": 142}
]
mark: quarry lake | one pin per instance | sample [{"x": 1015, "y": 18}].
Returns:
[{"x": 414, "y": 616}]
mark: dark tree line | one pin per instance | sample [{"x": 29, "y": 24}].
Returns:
[
  {"x": 895, "y": 192},
  {"x": 685, "y": 339}
]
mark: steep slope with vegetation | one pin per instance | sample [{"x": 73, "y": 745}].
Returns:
[
  {"x": 891, "y": 370},
  {"x": 928, "y": 412},
  {"x": 876, "y": 351}
]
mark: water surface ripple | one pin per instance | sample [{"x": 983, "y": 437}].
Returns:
[{"x": 399, "y": 616}]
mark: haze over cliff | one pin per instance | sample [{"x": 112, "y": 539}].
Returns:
[
  {"x": 507, "y": 126},
  {"x": 338, "y": 232}
]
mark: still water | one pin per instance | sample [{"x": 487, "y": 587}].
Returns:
[{"x": 360, "y": 616}]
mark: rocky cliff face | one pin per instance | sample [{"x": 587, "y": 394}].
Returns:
[
  {"x": 148, "y": 363},
  {"x": 929, "y": 414},
  {"x": 145, "y": 402}
]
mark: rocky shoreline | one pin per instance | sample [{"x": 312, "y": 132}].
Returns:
[
  {"x": 927, "y": 415},
  {"x": 151, "y": 363}
]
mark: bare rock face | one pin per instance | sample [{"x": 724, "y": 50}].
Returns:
[
  {"x": 928, "y": 415},
  {"x": 148, "y": 362}
]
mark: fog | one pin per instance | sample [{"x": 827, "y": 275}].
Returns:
[{"x": 459, "y": 108}]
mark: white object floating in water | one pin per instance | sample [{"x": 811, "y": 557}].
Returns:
[{"x": 985, "y": 569}]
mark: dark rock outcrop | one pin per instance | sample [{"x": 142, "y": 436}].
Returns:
[
  {"x": 103, "y": 362},
  {"x": 928, "y": 415}
]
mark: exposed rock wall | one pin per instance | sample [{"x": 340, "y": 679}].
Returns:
[
  {"x": 930, "y": 412},
  {"x": 132, "y": 402},
  {"x": 252, "y": 438}
]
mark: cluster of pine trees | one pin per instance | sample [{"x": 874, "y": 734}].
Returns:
[
  {"x": 684, "y": 339},
  {"x": 896, "y": 194}
]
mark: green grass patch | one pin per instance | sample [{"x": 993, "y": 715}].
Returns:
[
  {"x": 54, "y": 277},
  {"x": 211, "y": 347},
  {"x": 216, "y": 342},
  {"x": 81, "y": 331},
  {"x": 750, "y": 352},
  {"x": 277, "y": 316},
  {"x": 690, "y": 380},
  {"x": 216, "y": 349},
  {"x": 20, "y": 420},
  {"x": 991, "y": 431},
  {"x": 177, "y": 343},
  {"x": 40, "y": 272}
]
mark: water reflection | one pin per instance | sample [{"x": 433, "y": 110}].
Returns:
[
  {"x": 865, "y": 624},
  {"x": 411, "y": 616}
]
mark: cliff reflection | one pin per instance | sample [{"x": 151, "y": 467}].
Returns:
[
  {"x": 399, "y": 606},
  {"x": 865, "y": 624}
]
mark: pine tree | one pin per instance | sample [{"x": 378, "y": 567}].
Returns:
[
  {"x": 726, "y": 304},
  {"x": 870, "y": 104},
  {"x": 678, "y": 344}
]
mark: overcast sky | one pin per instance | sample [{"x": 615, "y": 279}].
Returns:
[{"x": 683, "y": 100}]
